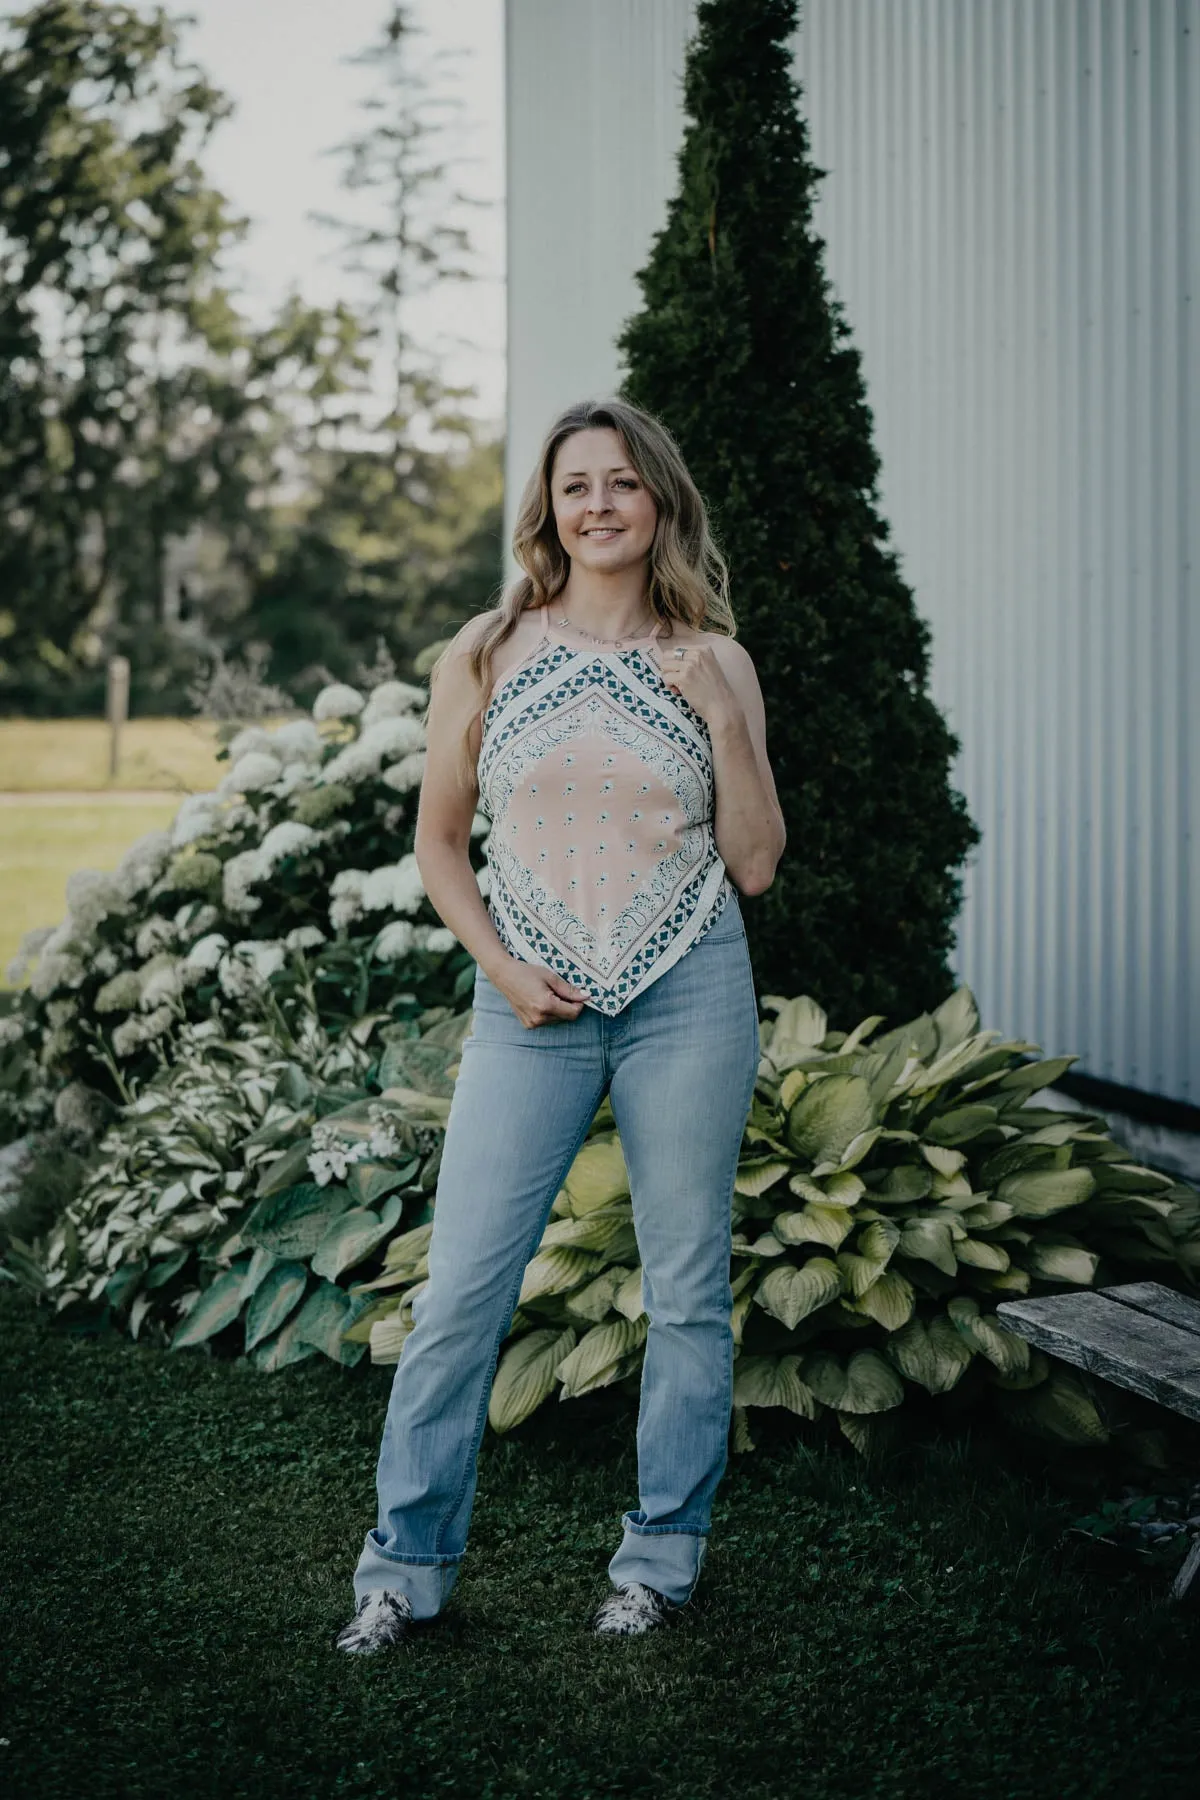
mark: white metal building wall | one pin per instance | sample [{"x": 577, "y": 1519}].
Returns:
[{"x": 1011, "y": 214}]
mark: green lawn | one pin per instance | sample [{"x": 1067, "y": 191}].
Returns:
[
  {"x": 175, "y": 755},
  {"x": 47, "y": 837},
  {"x": 178, "y": 1541}
]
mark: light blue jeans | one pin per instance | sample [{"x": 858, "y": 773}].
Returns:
[{"x": 679, "y": 1064}]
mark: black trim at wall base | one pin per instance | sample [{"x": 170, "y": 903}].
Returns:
[{"x": 1111, "y": 1096}]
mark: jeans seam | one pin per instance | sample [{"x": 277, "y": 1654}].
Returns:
[{"x": 481, "y": 1414}]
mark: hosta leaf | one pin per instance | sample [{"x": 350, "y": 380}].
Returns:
[
  {"x": 1033, "y": 1076},
  {"x": 259, "y": 1267},
  {"x": 598, "y": 1357},
  {"x": 1022, "y": 1153},
  {"x": 1061, "y": 1262},
  {"x": 594, "y": 1231},
  {"x": 628, "y": 1297},
  {"x": 595, "y": 1301},
  {"x": 160, "y": 1272},
  {"x": 878, "y": 1240},
  {"x": 865, "y": 1384},
  {"x": 789, "y": 1293},
  {"x": 286, "y": 1170},
  {"x": 943, "y": 1161},
  {"x": 370, "y": 1182},
  {"x": 556, "y": 1271},
  {"x": 956, "y": 1019},
  {"x": 756, "y": 1177},
  {"x": 218, "y": 1306},
  {"x": 360, "y": 1331},
  {"x": 881, "y": 1069},
  {"x": 980, "y": 1253},
  {"x": 275, "y": 1297},
  {"x": 1038, "y": 1371},
  {"x": 800, "y": 1027},
  {"x": 862, "y": 1032},
  {"x": 293, "y": 1223},
  {"x": 828, "y": 1116},
  {"x": 858, "y": 1272},
  {"x": 934, "y": 1355},
  {"x": 737, "y": 1317},
  {"x": 791, "y": 1087},
  {"x": 1129, "y": 1178},
  {"x": 322, "y": 1319},
  {"x": 827, "y": 1225},
  {"x": 526, "y": 1375},
  {"x": 852, "y": 1155},
  {"x": 929, "y": 1240},
  {"x": 741, "y": 1440},
  {"x": 844, "y": 1188},
  {"x": 903, "y": 1184},
  {"x": 916, "y": 1037},
  {"x": 1039, "y": 1193},
  {"x": 987, "y": 1215},
  {"x": 1008, "y": 1352},
  {"x": 960, "y": 1124},
  {"x": 282, "y": 1350},
  {"x": 1061, "y": 1408},
  {"x": 772, "y": 1381},
  {"x": 597, "y": 1177},
  {"x": 352, "y": 1237},
  {"x": 408, "y": 1248},
  {"x": 889, "y": 1301}
]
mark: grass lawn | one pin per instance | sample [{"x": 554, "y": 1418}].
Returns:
[
  {"x": 46, "y": 838},
  {"x": 176, "y": 755},
  {"x": 180, "y": 1533}
]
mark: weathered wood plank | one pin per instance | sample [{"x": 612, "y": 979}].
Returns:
[
  {"x": 1159, "y": 1301},
  {"x": 1144, "y": 1354},
  {"x": 1185, "y": 1585}
]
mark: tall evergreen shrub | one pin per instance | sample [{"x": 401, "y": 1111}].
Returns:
[{"x": 744, "y": 353}]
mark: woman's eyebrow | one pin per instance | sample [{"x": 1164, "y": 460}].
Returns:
[{"x": 615, "y": 470}]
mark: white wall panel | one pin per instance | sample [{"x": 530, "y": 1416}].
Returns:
[{"x": 1011, "y": 214}]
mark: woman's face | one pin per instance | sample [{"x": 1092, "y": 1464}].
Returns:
[{"x": 604, "y": 512}]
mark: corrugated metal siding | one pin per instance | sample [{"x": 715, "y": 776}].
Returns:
[
  {"x": 1011, "y": 220},
  {"x": 594, "y": 121}
]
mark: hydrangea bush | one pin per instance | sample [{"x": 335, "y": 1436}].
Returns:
[{"x": 295, "y": 876}]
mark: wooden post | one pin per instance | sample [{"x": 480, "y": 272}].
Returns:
[{"x": 116, "y": 708}]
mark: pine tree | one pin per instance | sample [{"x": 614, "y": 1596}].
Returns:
[{"x": 744, "y": 354}]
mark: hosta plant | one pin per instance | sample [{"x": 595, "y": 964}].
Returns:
[
  {"x": 241, "y": 1189},
  {"x": 892, "y": 1188}
]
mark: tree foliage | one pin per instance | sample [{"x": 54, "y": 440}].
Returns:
[{"x": 744, "y": 352}]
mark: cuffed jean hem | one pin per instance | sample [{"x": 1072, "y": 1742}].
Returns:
[
  {"x": 425, "y": 1581},
  {"x": 667, "y": 1558}
]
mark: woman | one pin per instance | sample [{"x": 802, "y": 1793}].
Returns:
[{"x": 607, "y": 724}]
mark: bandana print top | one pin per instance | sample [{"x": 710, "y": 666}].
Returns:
[{"x": 597, "y": 779}]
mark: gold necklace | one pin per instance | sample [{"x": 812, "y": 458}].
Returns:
[{"x": 611, "y": 643}]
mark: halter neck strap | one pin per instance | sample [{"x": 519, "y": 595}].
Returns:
[{"x": 579, "y": 640}]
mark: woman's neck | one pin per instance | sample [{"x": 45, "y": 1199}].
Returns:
[{"x": 610, "y": 606}]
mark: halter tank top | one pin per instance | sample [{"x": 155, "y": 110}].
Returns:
[{"x": 597, "y": 780}]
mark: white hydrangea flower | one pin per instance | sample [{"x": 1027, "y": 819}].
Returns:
[
  {"x": 384, "y": 1141},
  {"x": 286, "y": 839},
  {"x": 249, "y": 741},
  {"x": 198, "y": 817},
  {"x": 305, "y": 937},
  {"x": 127, "y": 1037},
  {"x": 142, "y": 864},
  {"x": 237, "y": 978},
  {"x": 238, "y": 877},
  {"x": 407, "y": 774},
  {"x": 75, "y": 1108},
  {"x": 356, "y": 762},
  {"x": 154, "y": 1024},
  {"x": 480, "y": 825},
  {"x": 440, "y": 939},
  {"x": 394, "y": 941},
  {"x": 162, "y": 984},
  {"x": 155, "y": 933},
  {"x": 266, "y": 956},
  {"x": 483, "y": 880},
  {"x": 296, "y": 775},
  {"x": 11, "y": 1030},
  {"x": 201, "y": 920},
  {"x": 106, "y": 961},
  {"x": 297, "y": 741},
  {"x": 392, "y": 699},
  {"x": 346, "y": 897},
  {"x": 55, "y": 971},
  {"x": 207, "y": 952},
  {"x": 337, "y": 702},
  {"x": 393, "y": 737},
  {"x": 251, "y": 773},
  {"x": 121, "y": 994},
  {"x": 28, "y": 950},
  {"x": 408, "y": 890}
]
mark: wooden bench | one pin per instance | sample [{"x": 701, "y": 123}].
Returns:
[{"x": 1142, "y": 1336}]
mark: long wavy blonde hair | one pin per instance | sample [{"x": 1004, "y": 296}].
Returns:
[{"x": 688, "y": 578}]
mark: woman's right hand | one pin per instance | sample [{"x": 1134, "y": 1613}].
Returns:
[{"x": 538, "y": 996}]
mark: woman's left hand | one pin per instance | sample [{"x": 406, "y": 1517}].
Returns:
[{"x": 699, "y": 677}]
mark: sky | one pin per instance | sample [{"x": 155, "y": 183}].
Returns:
[{"x": 282, "y": 63}]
